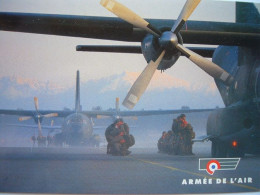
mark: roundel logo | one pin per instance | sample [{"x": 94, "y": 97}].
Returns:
[{"x": 212, "y": 166}]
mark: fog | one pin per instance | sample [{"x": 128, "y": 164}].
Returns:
[{"x": 146, "y": 129}]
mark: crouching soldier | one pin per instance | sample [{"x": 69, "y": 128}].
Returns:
[
  {"x": 169, "y": 142},
  {"x": 118, "y": 138},
  {"x": 109, "y": 137},
  {"x": 189, "y": 134},
  {"x": 184, "y": 134},
  {"x": 161, "y": 142}
]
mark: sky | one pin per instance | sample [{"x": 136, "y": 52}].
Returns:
[{"x": 54, "y": 58}]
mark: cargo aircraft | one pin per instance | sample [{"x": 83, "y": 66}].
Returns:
[{"x": 235, "y": 65}]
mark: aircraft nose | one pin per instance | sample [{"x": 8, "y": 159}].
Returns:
[{"x": 76, "y": 127}]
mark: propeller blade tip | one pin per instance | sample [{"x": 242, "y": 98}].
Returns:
[
  {"x": 130, "y": 101},
  {"x": 128, "y": 105},
  {"x": 108, "y": 4}
]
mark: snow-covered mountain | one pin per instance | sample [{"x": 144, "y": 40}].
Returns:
[{"x": 164, "y": 92}]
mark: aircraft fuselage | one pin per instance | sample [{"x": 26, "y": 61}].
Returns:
[
  {"x": 76, "y": 129},
  {"x": 236, "y": 128}
]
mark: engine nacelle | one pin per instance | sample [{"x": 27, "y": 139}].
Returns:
[{"x": 151, "y": 49}]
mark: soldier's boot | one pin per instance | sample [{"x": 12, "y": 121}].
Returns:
[
  {"x": 116, "y": 149},
  {"x": 109, "y": 148},
  {"x": 125, "y": 152}
]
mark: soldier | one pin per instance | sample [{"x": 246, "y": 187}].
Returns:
[
  {"x": 129, "y": 140},
  {"x": 178, "y": 128},
  {"x": 161, "y": 142},
  {"x": 186, "y": 136},
  {"x": 175, "y": 128},
  {"x": 189, "y": 135},
  {"x": 169, "y": 142},
  {"x": 119, "y": 139},
  {"x": 109, "y": 137}
]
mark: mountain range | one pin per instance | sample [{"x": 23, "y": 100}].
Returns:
[{"x": 164, "y": 92}]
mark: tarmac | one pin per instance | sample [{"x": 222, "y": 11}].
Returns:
[
  {"x": 144, "y": 171},
  {"x": 67, "y": 170}
]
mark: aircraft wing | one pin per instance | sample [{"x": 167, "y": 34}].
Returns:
[
  {"x": 142, "y": 112},
  {"x": 111, "y": 28},
  {"x": 36, "y": 126},
  {"x": 95, "y": 114},
  {"x": 32, "y": 112},
  {"x": 161, "y": 112},
  {"x": 18, "y": 112}
]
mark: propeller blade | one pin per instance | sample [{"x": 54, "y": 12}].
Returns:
[
  {"x": 128, "y": 15},
  {"x": 50, "y": 115},
  {"x": 52, "y": 121},
  {"x": 24, "y": 118},
  {"x": 208, "y": 66},
  {"x": 117, "y": 104},
  {"x": 36, "y": 103},
  {"x": 187, "y": 10},
  {"x": 39, "y": 128},
  {"x": 141, "y": 83}
]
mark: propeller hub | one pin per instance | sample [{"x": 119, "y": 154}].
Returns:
[{"x": 168, "y": 40}]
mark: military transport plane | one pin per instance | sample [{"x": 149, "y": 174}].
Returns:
[
  {"x": 235, "y": 65},
  {"x": 76, "y": 129}
]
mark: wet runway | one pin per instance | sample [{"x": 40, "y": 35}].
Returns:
[{"x": 90, "y": 170}]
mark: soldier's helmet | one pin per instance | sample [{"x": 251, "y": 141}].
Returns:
[
  {"x": 182, "y": 115},
  {"x": 118, "y": 120}
]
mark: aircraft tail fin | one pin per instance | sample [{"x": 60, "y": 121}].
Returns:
[
  {"x": 247, "y": 13},
  {"x": 77, "y": 100}
]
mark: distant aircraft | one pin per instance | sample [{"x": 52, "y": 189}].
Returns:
[
  {"x": 77, "y": 128},
  {"x": 235, "y": 66}
]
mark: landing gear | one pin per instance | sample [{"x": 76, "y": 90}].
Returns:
[{"x": 41, "y": 141}]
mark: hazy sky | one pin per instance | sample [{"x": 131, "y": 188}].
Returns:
[{"x": 54, "y": 58}]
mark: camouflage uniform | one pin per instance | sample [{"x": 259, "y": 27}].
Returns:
[
  {"x": 161, "y": 142},
  {"x": 119, "y": 139},
  {"x": 189, "y": 135},
  {"x": 109, "y": 137}
]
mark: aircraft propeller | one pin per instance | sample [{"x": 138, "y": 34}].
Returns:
[
  {"x": 168, "y": 40},
  {"x": 38, "y": 117}
]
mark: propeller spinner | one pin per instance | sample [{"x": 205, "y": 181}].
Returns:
[{"x": 169, "y": 42}]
